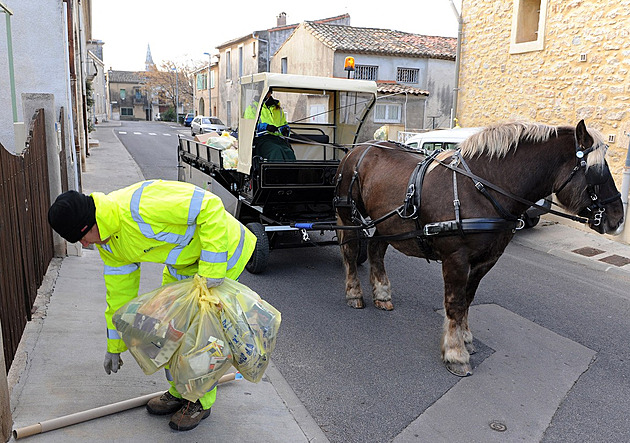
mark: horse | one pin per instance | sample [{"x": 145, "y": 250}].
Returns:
[{"x": 466, "y": 210}]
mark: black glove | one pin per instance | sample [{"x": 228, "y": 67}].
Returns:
[
  {"x": 285, "y": 130},
  {"x": 272, "y": 128}
]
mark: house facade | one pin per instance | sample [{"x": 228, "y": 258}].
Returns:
[
  {"x": 97, "y": 75},
  {"x": 48, "y": 60},
  {"x": 128, "y": 95},
  {"x": 415, "y": 74},
  {"x": 205, "y": 95},
  {"x": 548, "y": 61},
  {"x": 251, "y": 54}
]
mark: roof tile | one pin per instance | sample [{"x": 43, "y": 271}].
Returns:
[{"x": 382, "y": 41}]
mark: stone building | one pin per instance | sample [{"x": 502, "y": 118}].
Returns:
[
  {"x": 415, "y": 74},
  {"x": 548, "y": 61},
  {"x": 127, "y": 95}
]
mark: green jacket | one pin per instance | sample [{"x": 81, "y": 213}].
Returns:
[{"x": 174, "y": 223}]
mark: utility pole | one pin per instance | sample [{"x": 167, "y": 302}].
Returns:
[{"x": 209, "y": 84}]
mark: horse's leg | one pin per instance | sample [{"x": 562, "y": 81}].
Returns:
[
  {"x": 455, "y": 270},
  {"x": 381, "y": 288},
  {"x": 477, "y": 272},
  {"x": 348, "y": 240}
]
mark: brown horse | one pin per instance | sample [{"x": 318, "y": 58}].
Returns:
[{"x": 456, "y": 223}]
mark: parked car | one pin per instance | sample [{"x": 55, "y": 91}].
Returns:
[
  {"x": 201, "y": 124},
  {"x": 188, "y": 119},
  {"x": 427, "y": 142}
]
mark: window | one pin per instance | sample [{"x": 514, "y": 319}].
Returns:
[
  {"x": 212, "y": 79},
  {"x": 126, "y": 111},
  {"x": 528, "y": 26},
  {"x": 202, "y": 81},
  {"x": 123, "y": 94},
  {"x": 387, "y": 113},
  {"x": 365, "y": 72},
  {"x": 137, "y": 93},
  {"x": 228, "y": 65},
  {"x": 283, "y": 65},
  {"x": 407, "y": 75}
]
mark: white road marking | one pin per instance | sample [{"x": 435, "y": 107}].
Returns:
[
  {"x": 137, "y": 133},
  {"x": 122, "y": 132},
  {"x": 152, "y": 133},
  {"x": 521, "y": 385}
]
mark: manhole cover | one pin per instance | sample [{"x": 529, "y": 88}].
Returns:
[
  {"x": 588, "y": 251},
  {"x": 498, "y": 426},
  {"x": 616, "y": 260}
]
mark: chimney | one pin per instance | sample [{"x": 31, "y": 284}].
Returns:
[{"x": 281, "y": 20}]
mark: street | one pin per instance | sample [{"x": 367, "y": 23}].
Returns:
[{"x": 553, "y": 334}]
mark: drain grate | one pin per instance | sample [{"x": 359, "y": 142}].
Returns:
[
  {"x": 616, "y": 260},
  {"x": 588, "y": 251}
]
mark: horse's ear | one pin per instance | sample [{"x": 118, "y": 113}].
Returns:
[{"x": 582, "y": 136}]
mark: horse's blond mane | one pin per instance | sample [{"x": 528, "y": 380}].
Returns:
[{"x": 500, "y": 138}]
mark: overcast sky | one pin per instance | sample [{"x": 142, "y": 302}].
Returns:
[{"x": 183, "y": 30}]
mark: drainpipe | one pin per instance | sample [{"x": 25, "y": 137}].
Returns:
[{"x": 457, "y": 61}]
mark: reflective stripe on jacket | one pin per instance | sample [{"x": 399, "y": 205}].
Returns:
[
  {"x": 168, "y": 222},
  {"x": 272, "y": 116}
]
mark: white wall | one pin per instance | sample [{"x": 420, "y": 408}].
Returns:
[{"x": 40, "y": 59}]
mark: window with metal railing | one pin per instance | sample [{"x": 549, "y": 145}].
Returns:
[
  {"x": 407, "y": 75},
  {"x": 366, "y": 72}
]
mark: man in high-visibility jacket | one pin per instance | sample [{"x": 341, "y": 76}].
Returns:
[
  {"x": 174, "y": 223},
  {"x": 272, "y": 127}
]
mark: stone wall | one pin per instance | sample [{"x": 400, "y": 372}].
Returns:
[{"x": 552, "y": 85}]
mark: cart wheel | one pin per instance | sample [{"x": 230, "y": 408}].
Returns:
[
  {"x": 362, "y": 256},
  {"x": 258, "y": 261}
]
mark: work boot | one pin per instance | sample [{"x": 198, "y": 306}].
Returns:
[
  {"x": 165, "y": 404},
  {"x": 189, "y": 416}
]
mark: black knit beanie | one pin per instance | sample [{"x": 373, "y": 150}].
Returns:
[{"x": 72, "y": 215}]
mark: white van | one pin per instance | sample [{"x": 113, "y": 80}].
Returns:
[
  {"x": 443, "y": 139},
  {"x": 428, "y": 142}
]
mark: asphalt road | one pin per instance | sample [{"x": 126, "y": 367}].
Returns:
[{"x": 369, "y": 375}]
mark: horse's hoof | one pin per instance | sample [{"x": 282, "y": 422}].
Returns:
[
  {"x": 459, "y": 369},
  {"x": 384, "y": 305},
  {"x": 356, "y": 303},
  {"x": 470, "y": 348}
]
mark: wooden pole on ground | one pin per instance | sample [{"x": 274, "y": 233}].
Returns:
[{"x": 79, "y": 417}]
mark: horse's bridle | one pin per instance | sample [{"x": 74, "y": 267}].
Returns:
[{"x": 593, "y": 182}]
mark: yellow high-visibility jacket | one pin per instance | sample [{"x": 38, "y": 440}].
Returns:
[
  {"x": 273, "y": 115},
  {"x": 169, "y": 222}
]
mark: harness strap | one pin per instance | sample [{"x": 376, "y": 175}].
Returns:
[
  {"x": 481, "y": 188},
  {"x": 512, "y": 196},
  {"x": 413, "y": 197}
]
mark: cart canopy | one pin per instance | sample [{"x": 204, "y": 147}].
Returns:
[{"x": 333, "y": 107}]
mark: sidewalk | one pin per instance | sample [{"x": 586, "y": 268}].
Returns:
[{"x": 59, "y": 371}]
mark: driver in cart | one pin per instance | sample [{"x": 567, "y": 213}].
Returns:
[{"x": 270, "y": 142}]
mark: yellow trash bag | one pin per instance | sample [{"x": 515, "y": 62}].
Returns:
[
  {"x": 251, "y": 327},
  {"x": 153, "y": 325},
  {"x": 204, "y": 355}
]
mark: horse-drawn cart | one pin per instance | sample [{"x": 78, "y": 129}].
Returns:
[{"x": 280, "y": 201}]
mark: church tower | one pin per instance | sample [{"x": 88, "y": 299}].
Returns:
[{"x": 148, "y": 64}]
